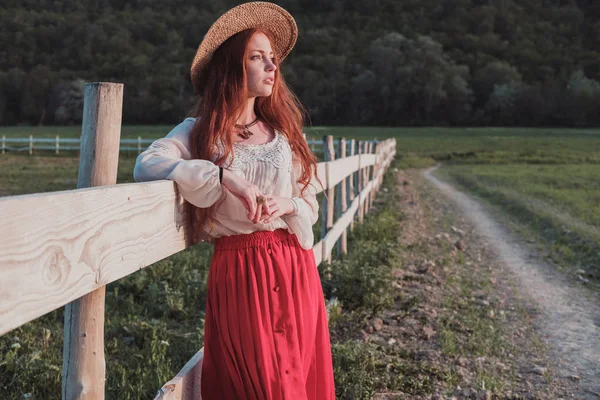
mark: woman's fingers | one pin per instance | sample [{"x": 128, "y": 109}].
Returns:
[
  {"x": 251, "y": 199},
  {"x": 275, "y": 214},
  {"x": 246, "y": 204},
  {"x": 258, "y": 214},
  {"x": 267, "y": 206},
  {"x": 266, "y": 212},
  {"x": 274, "y": 210}
]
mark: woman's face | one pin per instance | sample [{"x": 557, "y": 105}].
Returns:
[{"x": 260, "y": 69}]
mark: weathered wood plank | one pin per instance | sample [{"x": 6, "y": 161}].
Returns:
[
  {"x": 341, "y": 169},
  {"x": 59, "y": 246}
]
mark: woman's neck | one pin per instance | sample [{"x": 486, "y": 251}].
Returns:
[{"x": 247, "y": 115}]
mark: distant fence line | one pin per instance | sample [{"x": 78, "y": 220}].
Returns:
[{"x": 57, "y": 144}]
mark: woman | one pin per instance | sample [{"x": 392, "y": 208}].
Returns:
[{"x": 245, "y": 169}]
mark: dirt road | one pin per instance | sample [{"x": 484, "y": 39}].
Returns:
[{"x": 569, "y": 321}]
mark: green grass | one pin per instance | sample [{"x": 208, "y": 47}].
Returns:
[{"x": 25, "y": 174}]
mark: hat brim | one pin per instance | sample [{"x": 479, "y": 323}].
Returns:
[{"x": 276, "y": 21}]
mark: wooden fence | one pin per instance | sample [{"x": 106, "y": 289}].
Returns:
[
  {"x": 33, "y": 144},
  {"x": 62, "y": 248}
]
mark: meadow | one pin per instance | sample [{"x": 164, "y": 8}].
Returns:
[{"x": 544, "y": 180}]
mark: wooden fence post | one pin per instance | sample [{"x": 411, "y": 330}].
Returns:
[
  {"x": 351, "y": 182},
  {"x": 351, "y": 186},
  {"x": 368, "y": 177},
  {"x": 327, "y": 208},
  {"x": 3, "y": 144},
  {"x": 139, "y": 144},
  {"x": 84, "y": 367},
  {"x": 30, "y": 144},
  {"x": 57, "y": 143},
  {"x": 376, "y": 167},
  {"x": 342, "y": 201},
  {"x": 361, "y": 180}
]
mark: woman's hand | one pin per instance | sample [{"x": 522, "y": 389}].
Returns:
[
  {"x": 275, "y": 207},
  {"x": 247, "y": 193}
]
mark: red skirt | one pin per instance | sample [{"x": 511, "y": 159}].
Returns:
[{"x": 266, "y": 333}]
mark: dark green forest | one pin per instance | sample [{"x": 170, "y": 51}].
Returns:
[{"x": 375, "y": 62}]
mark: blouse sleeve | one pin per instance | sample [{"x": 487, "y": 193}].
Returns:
[
  {"x": 301, "y": 222},
  {"x": 170, "y": 158}
]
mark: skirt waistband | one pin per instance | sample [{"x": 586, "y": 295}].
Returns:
[{"x": 253, "y": 239}]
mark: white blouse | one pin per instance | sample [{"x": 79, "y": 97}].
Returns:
[{"x": 269, "y": 166}]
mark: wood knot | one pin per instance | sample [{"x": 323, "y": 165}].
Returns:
[{"x": 56, "y": 268}]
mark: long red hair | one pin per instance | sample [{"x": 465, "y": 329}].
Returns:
[{"x": 222, "y": 100}]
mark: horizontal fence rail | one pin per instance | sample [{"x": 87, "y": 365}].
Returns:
[{"x": 58, "y": 246}]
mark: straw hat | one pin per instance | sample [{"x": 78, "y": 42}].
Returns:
[{"x": 268, "y": 16}]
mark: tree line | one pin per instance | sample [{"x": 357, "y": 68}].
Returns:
[{"x": 381, "y": 62}]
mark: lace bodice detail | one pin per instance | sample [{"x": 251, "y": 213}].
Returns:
[{"x": 277, "y": 153}]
